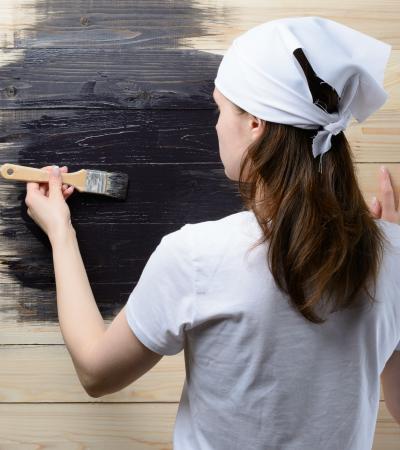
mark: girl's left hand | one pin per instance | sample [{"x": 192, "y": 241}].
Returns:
[{"x": 47, "y": 202}]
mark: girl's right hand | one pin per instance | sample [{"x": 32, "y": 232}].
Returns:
[{"x": 385, "y": 207}]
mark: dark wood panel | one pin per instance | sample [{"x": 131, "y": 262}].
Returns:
[
  {"x": 175, "y": 177},
  {"x": 157, "y": 193},
  {"x": 108, "y": 78},
  {"x": 142, "y": 23},
  {"x": 114, "y": 256},
  {"x": 112, "y": 253},
  {"x": 122, "y": 98},
  {"x": 108, "y": 137},
  {"x": 171, "y": 157}
]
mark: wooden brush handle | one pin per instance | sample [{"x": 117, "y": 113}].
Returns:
[{"x": 25, "y": 173}]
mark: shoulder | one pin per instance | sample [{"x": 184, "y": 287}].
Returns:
[
  {"x": 210, "y": 235},
  {"x": 203, "y": 245},
  {"x": 221, "y": 227},
  {"x": 209, "y": 229}
]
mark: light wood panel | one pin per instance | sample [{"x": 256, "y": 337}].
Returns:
[
  {"x": 123, "y": 427},
  {"x": 87, "y": 426},
  {"x": 45, "y": 373},
  {"x": 32, "y": 373}
]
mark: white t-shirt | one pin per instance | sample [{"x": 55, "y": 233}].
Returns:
[{"x": 259, "y": 376}]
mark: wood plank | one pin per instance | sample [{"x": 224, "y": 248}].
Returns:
[
  {"x": 125, "y": 426},
  {"x": 127, "y": 78},
  {"x": 93, "y": 78},
  {"x": 109, "y": 137},
  {"x": 36, "y": 373},
  {"x": 387, "y": 432},
  {"x": 54, "y": 23},
  {"x": 131, "y": 426},
  {"x": 32, "y": 373},
  {"x": 205, "y": 23}
]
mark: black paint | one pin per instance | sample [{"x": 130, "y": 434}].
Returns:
[{"x": 109, "y": 92}]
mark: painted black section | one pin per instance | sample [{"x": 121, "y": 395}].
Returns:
[
  {"x": 106, "y": 78},
  {"x": 102, "y": 86},
  {"x": 122, "y": 24}
]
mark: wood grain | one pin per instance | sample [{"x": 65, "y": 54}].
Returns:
[
  {"x": 125, "y": 426},
  {"x": 84, "y": 77},
  {"x": 207, "y": 24},
  {"x": 45, "y": 373},
  {"x": 32, "y": 373}
]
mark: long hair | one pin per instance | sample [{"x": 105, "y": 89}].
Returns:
[{"x": 322, "y": 237}]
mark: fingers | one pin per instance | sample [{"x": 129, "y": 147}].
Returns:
[
  {"x": 376, "y": 208},
  {"x": 67, "y": 190},
  {"x": 32, "y": 187},
  {"x": 388, "y": 207},
  {"x": 66, "y": 196},
  {"x": 386, "y": 190},
  {"x": 64, "y": 169},
  {"x": 44, "y": 187}
]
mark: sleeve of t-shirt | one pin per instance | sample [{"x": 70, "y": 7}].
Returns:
[
  {"x": 398, "y": 347},
  {"x": 161, "y": 306}
]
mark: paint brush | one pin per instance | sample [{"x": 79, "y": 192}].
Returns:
[{"x": 113, "y": 184}]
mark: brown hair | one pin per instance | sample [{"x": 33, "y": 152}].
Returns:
[{"x": 322, "y": 235}]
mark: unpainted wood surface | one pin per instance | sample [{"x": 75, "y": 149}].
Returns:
[{"x": 127, "y": 426}]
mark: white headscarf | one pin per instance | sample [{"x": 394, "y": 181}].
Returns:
[{"x": 260, "y": 73}]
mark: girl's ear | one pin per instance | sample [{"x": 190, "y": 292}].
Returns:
[{"x": 256, "y": 122}]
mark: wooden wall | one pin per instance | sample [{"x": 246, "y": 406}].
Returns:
[{"x": 127, "y": 86}]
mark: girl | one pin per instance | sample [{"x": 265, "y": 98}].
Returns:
[{"x": 284, "y": 342}]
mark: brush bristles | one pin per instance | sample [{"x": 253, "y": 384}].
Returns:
[
  {"x": 117, "y": 184},
  {"x": 113, "y": 184}
]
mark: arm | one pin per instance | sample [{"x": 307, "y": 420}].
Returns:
[
  {"x": 118, "y": 358},
  {"x": 106, "y": 359},
  {"x": 80, "y": 320},
  {"x": 390, "y": 378}
]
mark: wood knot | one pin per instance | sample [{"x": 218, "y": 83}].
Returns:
[
  {"x": 84, "y": 20},
  {"x": 11, "y": 91}
]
